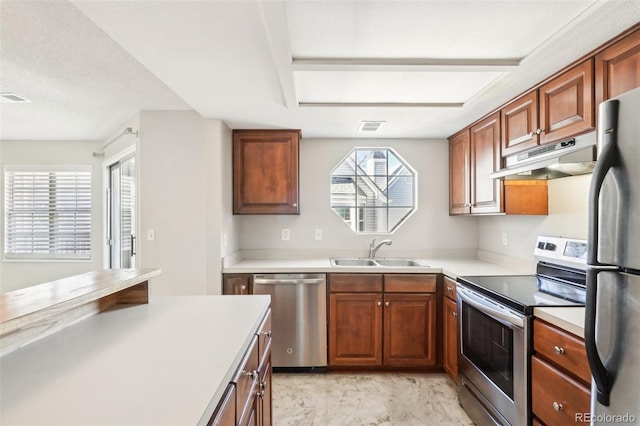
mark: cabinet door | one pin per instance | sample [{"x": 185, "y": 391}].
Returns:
[
  {"x": 618, "y": 68},
  {"x": 264, "y": 397},
  {"x": 450, "y": 338},
  {"x": 225, "y": 413},
  {"x": 556, "y": 398},
  {"x": 459, "y": 168},
  {"x": 265, "y": 171},
  {"x": 486, "y": 193},
  {"x": 236, "y": 284},
  {"x": 566, "y": 104},
  {"x": 520, "y": 124},
  {"x": 355, "y": 329},
  {"x": 410, "y": 330}
]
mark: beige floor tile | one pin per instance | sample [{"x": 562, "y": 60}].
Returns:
[{"x": 366, "y": 399}]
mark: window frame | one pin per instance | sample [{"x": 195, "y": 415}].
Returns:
[
  {"x": 81, "y": 216},
  {"x": 359, "y": 217}
]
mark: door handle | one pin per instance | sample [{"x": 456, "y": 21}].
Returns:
[
  {"x": 133, "y": 245},
  {"x": 607, "y": 159},
  {"x": 601, "y": 376}
]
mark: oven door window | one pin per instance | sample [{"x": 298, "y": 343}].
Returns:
[{"x": 488, "y": 344}]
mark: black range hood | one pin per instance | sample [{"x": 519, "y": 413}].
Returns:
[{"x": 575, "y": 156}]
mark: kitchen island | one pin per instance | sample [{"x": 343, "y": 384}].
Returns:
[{"x": 168, "y": 361}]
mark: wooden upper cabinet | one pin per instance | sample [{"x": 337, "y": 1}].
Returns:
[
  {"x": 459, "y": 174},
  {"x": 520, "y": 129},
  {"x": 618, "y": 68},
  {"x": 265, "y": 171},
  {"x": 567, "y": 104},
  {"x": 486, "y": 193}
]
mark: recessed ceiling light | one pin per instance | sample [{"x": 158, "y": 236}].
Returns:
[
  {"x": 370, "y": 126},
  {"x": 12, "y": 98}
]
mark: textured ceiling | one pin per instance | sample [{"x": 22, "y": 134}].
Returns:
[
  {"x": 80, "y": 83},
  {"x": 88, "y": 66}
]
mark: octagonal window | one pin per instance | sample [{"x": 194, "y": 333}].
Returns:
[{"x": 373, "y": 190}]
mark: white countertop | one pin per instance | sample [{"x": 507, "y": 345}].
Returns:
[
  {"x": 570, "y": 319},
  {"x": 452, "y": 267},
  {"x": 166, "y": 362}
]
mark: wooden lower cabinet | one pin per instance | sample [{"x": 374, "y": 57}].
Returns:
[
  {"x": 409, "y": 330},
  {"x": 450, "y": 337},
  {"x": 392, "y": 328},
  {"x": 557, "y": 398},
  {"x": 560, "y": 376},
  {"x": 355, "y": 329},
  {"x": 247, "y": 400},
  {"x": 239, "y": 284},
  {"x": 225, "y": 414}
]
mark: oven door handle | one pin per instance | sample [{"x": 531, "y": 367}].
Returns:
[{"x": 489, "y": 308}]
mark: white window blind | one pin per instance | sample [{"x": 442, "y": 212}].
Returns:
[{"x": 47, "y": 213}]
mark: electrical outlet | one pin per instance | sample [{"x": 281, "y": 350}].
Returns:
[
  {"x": 318, "y": 234},
  {"x": 225, "y": 239},
  {"x": 505, "y": 239},
  {"x": 151, "y": 235},
  {"x": 286, "y": 234}
]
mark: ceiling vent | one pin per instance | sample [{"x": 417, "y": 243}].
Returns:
[
  {"x": 12, "y": 98},
  {"x": 370, "y": 126}
]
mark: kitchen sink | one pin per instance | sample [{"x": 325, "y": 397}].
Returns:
[
  {"x": 411, "y": 263},
  {"x": 353, "y": 262},
  {"x": 399, "y": 262}
]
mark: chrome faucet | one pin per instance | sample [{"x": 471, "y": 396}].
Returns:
[{"x": 373, "y": 247}]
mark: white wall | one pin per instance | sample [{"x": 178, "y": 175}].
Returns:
[
  {"x": 430, "y": 227},
  {"x": 172, "y": 181},
  {"x": 185, "y": 169},
  {"x": 568, "y": 217},
  {"x": 19, "y": 274}
]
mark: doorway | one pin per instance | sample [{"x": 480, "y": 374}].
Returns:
[{"x": 121, "y": 213}]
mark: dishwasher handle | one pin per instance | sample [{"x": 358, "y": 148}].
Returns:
[{"x": 279, "y": 281}]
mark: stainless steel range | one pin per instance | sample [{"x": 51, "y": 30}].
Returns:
[{"x": 495, "y": 329}]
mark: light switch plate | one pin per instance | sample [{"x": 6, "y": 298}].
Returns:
[
  {"x": 286, "y": 234},
  {"x": 151, "y": 235},
  {"x": 318, "y": 234}
]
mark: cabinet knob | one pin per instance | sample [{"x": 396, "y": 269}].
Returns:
[
  {"x": 253, "y": 374},
  {"x": 538, "y": 131},
  {"x": 267, "y": 333},
  {"x": 244, "y": 287},
  {"x": 386, "y": 303},
  {"x": 455, "y": 314},
  {"x": 295, "y": 204},
  {"x": 557, "y": 406},
  {"x": 449, "y": 288},
  {"x": 558, "y": 350},
  {"x": 379, "y": 303},
  {"x": 532, "y": 134}
]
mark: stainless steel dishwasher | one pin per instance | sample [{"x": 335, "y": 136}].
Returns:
[{"x": 299, "y": 319}]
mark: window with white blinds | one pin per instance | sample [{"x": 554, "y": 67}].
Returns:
[{"x": 47, "y": 213}]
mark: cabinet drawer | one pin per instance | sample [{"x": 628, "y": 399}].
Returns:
[
  {"x": 562, "y": 349},
  {"x": 246, "y": 378},
  {"x": 450, "y": 288},
  {"x": 406, "y": 283},
  {"x": 225, "y": 413},
  {"x": 355, "y": 283},
  {"x": 264, "y": 337},
  {"x": 556, "y": 398}
]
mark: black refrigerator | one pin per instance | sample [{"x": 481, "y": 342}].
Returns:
[{"x": 612, "y": 324}]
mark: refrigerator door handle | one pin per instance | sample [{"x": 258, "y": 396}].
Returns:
[
  {"x": 601, "y": 376},
  {"x": 607, "y": 159}
]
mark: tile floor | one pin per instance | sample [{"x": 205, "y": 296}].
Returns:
[{"x": 366, "y": 399}]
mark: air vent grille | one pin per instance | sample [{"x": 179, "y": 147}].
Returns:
[
  {"x": 370, "y": 126},
  {"x": 543, "y": 150},
  {"x": 11, "y": 98}
]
